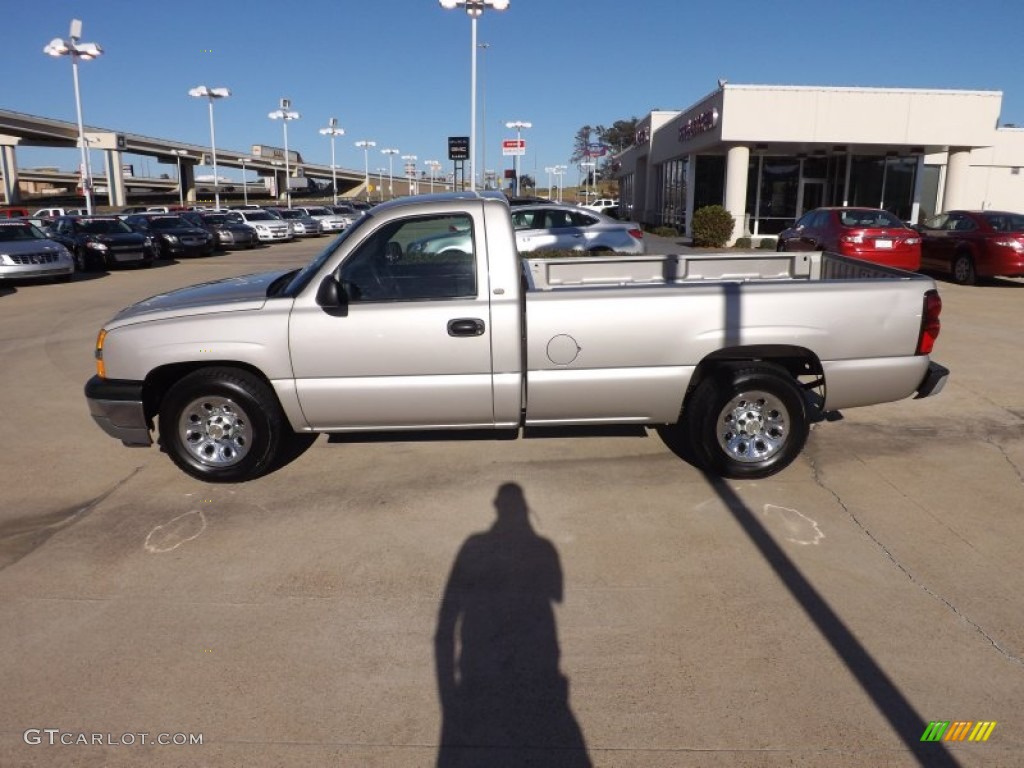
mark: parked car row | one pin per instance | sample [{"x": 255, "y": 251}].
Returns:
[
  {"x": 55, "y": 243},
  {"x": 966, "y": 245}
]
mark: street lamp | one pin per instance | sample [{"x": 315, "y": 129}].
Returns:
[
  {"x": 180, "y": 153},
  {"x": 475, "y": 9},
  {"x": 559, "y": 173},
  {"x": 433, "y": 165},
  {"x": 366, "y": 145},
  {"x": 87, "y": 52},
  {"x": 483, "y": 109},
  {"x": 380, "y": 183},
  {"x": 202, "y": 92},
  {"x": 333, "y": 130},
  {"x": 549, "y": 170},
  {"x": 284, "y": 114},
  {"x": 586, "y": 185},
  {"x": 410, "y": 170},
  {"x": 245, "y": 182},
  {"x": 518, "y": 125},
  {"x": 391, "y": 152}
]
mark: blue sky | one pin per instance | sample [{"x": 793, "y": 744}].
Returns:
[{"x": 397, "y": 71}]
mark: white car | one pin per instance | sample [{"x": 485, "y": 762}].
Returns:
[
  {"x": 52, "y": 213},
  {"x": 331, "y": 221},
  {"x": 601, "y": 204},
  {"x": 268, "y": 228}
]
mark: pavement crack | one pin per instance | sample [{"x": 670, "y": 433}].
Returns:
[
  {"x": 816, "y": 476},
  {"x": 1006, "y": 456},
  {"x": 22, "y": 536}
]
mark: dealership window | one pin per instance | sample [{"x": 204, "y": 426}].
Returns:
[
  {"x": 883, "y": 182},
  {"x": 773, "y": 200},
  {"x": 709, "y": 181},
  {"x": 626, "y": 200},
  {"x": 671, "y": 193}
]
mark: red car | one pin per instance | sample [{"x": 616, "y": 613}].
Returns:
[
  {"x": 973, "y": 244},
  {"x": 871, "y": 234}
]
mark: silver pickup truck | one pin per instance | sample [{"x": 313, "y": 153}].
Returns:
[{"x": 732, "y": 355}]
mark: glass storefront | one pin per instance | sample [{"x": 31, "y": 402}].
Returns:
[{"x": 670, "y": 193}]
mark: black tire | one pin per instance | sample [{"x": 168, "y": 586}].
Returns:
[
  {"x": 82, "y": 261},
  {"x": 222, "y": 425},
  {"x": 780, "y": 246},
  {"x": 746, "y": 420},
  {"x": 962, "y": 269}
]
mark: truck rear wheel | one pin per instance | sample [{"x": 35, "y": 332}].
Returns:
[
  {"x": 222, "y": 425},
  {"x": 747, "y": 420}
]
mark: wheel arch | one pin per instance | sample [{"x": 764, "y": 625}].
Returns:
[
  {"x": 161, "y": 379},
  {"x": 798, "y": 362}
]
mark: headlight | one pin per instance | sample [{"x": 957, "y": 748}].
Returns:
[
  {"x": 171, "y": 238},
  {"x": 96, "y": 246}
]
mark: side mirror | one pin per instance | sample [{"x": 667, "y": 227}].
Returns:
[{"x": 332, "y": 298}]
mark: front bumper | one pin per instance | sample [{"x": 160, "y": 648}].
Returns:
[
  {"x": 933, "y": 382},
  {"x": 116, "y": 406}
]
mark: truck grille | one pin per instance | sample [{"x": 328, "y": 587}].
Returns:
[{"x": 43, "y": 257}]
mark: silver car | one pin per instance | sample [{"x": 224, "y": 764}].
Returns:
[
  {"x": 569, "y": 228},
  {"x": 268, "y": 228},
  {"x": 551, "y": 228},
  {"x": 301, "y": 223},
  {"x": 331, "y": 221},
  {"x": 25, "y": 253}
]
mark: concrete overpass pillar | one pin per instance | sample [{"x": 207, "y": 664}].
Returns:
[
  {"x": 116, "y": 197},
  {"x": 9, "y": 169},
  {"x": 737, "y": 162},
  {"x": 958, "y": 166},
  {"x": 188, "y": 180}
]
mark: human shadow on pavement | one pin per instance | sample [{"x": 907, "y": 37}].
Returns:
[{"x": 504, "y": 700}]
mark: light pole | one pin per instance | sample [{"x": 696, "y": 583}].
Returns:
[
  {"x": 559, "y": 173},
  {"x": 586, "y": 185},
  {"x": 380, "y": 183},
  {"x": 549, "y": 170},
  {"x": 202, "y": 92},
  {"x": 391, "y": 152},
  {"x": 333, "y": 130},
  {"x": 284, "y": 114},
  {"x": 433, "y": 165},
  {"x": 366, "y": 145},
  {"x": 518, "y": 125},
  {"x": 410, "y": 170},
  {"x": 245, "y": 182},
  {"x": 87, "y": 52},
  {"x": 475, "y": 9},
  {"x": 483, "y": 112},
  {"x": 180, "y": 153}
]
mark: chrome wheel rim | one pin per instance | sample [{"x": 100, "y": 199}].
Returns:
[
  {"x": 962, "y": 269},
  {"x": 753, "y": 427},
  {"x": 215, "y": 431}
]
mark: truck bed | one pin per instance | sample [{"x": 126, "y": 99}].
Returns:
[{"x": 554, "y": 273}]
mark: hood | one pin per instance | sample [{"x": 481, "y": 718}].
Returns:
[
  {"x": 118, "y": 237},
  {"x": 232, "y": 294},
  {"x": 16, "y": 247}
]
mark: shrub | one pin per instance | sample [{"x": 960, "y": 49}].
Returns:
[
  {"x": 768, "y": 243},
  {"x": 712, "y": 226},
  {"x": 664, "y": 231},
  {"x": 743, "y": 242}
]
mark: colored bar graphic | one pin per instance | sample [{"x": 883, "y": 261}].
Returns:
[{"x": 958, "y": 730}]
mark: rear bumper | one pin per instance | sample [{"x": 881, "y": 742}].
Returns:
[
  {"x": 933, "y": 382},
  {"x": 117, "y": 407}
]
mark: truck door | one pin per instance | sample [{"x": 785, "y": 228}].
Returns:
[{"x": 414, "y": 349}]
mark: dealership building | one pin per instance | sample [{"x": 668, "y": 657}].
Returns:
[{"x": 770, "y": 153}]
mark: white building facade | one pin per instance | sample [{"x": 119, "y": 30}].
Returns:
[{"x": 770, "y": 153}]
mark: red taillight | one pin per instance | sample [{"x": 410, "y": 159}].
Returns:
[
  {"x": 929, "y": 323},
  {"x": 637, "y": 233}
]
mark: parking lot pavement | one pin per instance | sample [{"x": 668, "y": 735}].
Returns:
[{"x": 617, "y": 608}]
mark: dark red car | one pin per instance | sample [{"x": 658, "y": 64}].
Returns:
[
  {"x": 973, "y": 244},
  {"x": 871, "y": 234}
]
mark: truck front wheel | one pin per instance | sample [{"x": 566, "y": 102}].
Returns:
[
  {"x": 222, "y": 425},
  {"x": 747, "y": 421}
]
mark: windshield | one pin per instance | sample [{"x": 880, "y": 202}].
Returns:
[
  {"x": 868, "y": 218},
  {"x": 318, "y": 212},
  {"x": 292, "y": 214},
  {"x": 10, "y": 233},
  {"x": 167, "y": 222},
  {"x": 301, "y": 280},
  {"x": 216, "y": 218},
  {"x": 258, "y": 216},
  {"x": 103, "y": 226}
]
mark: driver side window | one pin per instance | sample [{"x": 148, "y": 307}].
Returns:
[{"x": 422, "y": 258}]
